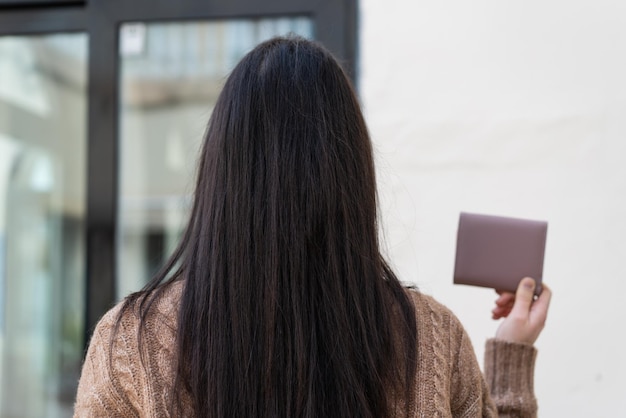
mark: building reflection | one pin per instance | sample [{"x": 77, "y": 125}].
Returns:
[
  {"x": 170, "y": 77},
  {"x": 42, "y": 210}
]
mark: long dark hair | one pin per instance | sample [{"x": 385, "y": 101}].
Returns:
[{"x": 288, "y": 308}]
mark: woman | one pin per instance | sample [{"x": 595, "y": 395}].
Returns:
[{"x": 277, "y": 302}]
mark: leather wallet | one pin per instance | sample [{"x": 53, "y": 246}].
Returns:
[{"x": 498, "y": 252}]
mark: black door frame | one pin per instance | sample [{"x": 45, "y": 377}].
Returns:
[{"x": 335, "y": 25}]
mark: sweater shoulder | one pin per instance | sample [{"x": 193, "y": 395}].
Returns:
[
  {"x": 163, "y": 308},
  {"x": 427, "y": 308}
]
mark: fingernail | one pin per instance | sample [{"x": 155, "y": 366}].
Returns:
[{"x": 529, "y": 283}]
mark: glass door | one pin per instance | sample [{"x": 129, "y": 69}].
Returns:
[
  {"x": 170, "y": 77},
  {"x": 42, "y": 212}
]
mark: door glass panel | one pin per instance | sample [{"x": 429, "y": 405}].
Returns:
[
  {"x": 171, "y": 74},
  {"x": 42, "y": 212}
]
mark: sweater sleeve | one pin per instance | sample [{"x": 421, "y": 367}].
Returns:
[
  {"x": 509, "y": 372},
  {"x": 106, "y": 387}
]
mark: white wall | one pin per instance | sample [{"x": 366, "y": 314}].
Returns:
[{"x": 519, "y": 109}]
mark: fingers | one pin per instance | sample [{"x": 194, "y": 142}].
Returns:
[
  {"x": 500, "y": 312},
  {"x": 504, "y": 304},
  {"x": 505, "y": 299},
  {"x": 523, "y": 298},
  {"x": 539, "y": 309},
  {"x": 526, "y": 318}
]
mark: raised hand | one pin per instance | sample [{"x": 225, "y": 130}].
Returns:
[{"x": 524, "y": 316}]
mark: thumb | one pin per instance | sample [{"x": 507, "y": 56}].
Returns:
[{"x": 523, "y": 297}]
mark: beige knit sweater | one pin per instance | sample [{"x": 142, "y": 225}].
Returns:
[{"x": 449, "y": 382}]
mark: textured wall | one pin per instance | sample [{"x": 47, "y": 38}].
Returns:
[{"x": 519, "y": 109}]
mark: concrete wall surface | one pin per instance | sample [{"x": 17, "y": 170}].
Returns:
[{"x": 514, "y": 109}]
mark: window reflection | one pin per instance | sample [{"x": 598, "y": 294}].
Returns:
[
  {"x": 171, "y": 74},
  {"x": 42, "y": 195}
]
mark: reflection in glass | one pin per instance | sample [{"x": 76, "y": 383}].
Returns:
[
  {"x": 171, "y": 74},
  {"x": 42, "y": 195}
]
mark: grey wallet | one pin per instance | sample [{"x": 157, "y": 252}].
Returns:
[{"x": 498, "y": 252}]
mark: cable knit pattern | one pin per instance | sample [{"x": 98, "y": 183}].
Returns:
[
  {"x": 440, "y": 362},
  {"x": 115, "y": 382}
]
